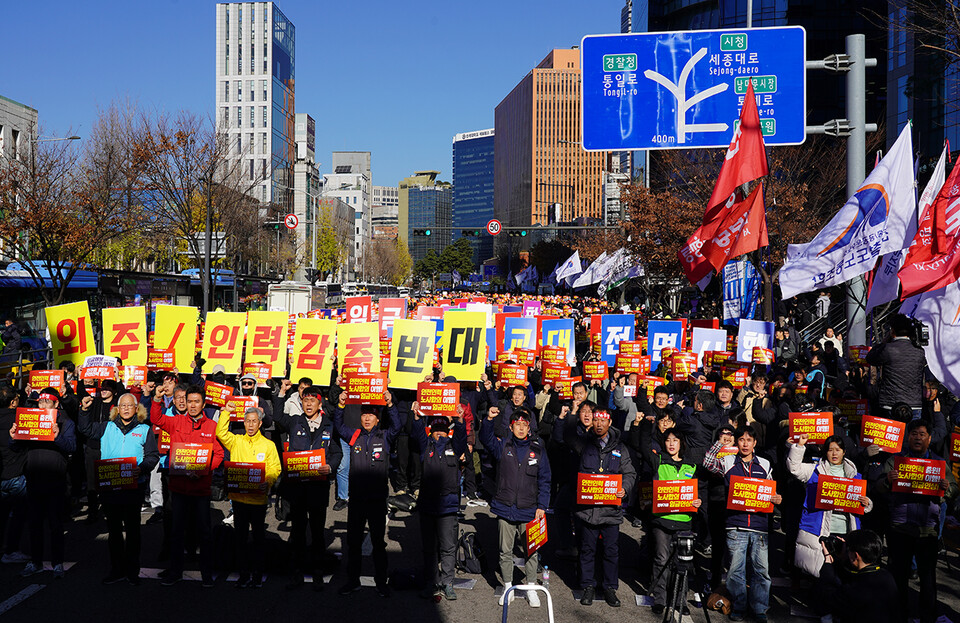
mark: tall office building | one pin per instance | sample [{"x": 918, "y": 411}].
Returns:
[
  {"x": 306, "y": 193},
  {"x": 384, "y": 213},
  {"x": 425, "y": 204},
  {"x": 473, "y": 189},
  {"x": 351, "y": 182},
  {"x": 539, "y": 161},
  {"x": 18, "y": 131},
  {"x": 255, "y": 93}
]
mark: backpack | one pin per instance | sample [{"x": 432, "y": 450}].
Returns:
[{"x": 469, "y": 553}]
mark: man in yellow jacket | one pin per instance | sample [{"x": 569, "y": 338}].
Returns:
[{"x": 250, "y": 508}]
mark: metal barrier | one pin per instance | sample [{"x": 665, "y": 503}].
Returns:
[
  {"x": 527, "y": 587},
  {"x": 33, "y": 358}
]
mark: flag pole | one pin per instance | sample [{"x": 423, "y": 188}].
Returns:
[{"x": 856, "y": 173}]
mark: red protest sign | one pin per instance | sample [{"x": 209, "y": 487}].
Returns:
[
  {"x": 217, "y": 394},
  {"x": 674, "y": 496},
  {"x": 510, "y": 375},
  {"x": 888, "y": 434},
  {"x": 734, "y": 373},
  {"x": 651, "y": 383},
  {"x": 564, "y": 386},
  {"x": 751, "y": 494},
  {"x": 853, "y": 410},
  {"x": 596, "y": 371},
  {"x": 116, "y": 474},
  {"x": 716, "y": 358},
  {"x": 858, "y": 354},
  {"x": 359, "y": 309},
  {"x": 524, "y": 356},
  {"x": 631, "y": 348},
  {"x": 553, "y": 354},
  {"x": 438, "y": 398},
  {"x": 134, "y": 375},
  {"x": 98, "y": 372},
  {"x": 818, "y": 425},
  {"x": 536, "y": 534},
  {"x": 552, "y": 372},
  {"x": 627, "y": 364},
  {"x": 920, "y": 476},
  {"x": 599, "y": 489},
  {"x": 160, "y": 359},
  {"x": 190, "y": 458},
  {"x": 955, "y": 446},
  {"x": 390, "y": 310},
  {"x": 34, "y": 424},
  {"x": 682, "y": 364},
  {"x": 41, "y": 379},
  {"x": 245, "y": 477},
  {"x": 762, "y": 356},
  {"x": 239, "y": 406},
  {"x": 260, "y": 371},
  {"x": 305, "y": 465},
  {"x": 366, "y": 388},
  {"x": 840, "y": 494},
  {"x": 163, "y": 440}
]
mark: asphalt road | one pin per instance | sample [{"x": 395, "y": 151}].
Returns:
[{"x": 80, "y": 597}]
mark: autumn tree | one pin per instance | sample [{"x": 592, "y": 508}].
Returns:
[{"x": 388, "y": 261}]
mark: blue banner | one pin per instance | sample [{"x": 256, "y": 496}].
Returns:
[
  {"x": 614, "y": 328},
  {"x": 753, "y": 333},
  {"x": 741, "y": 291},
  {"x": 558, "y": 332},
  {"x": 519, "y": 333},
  {"x": 663, "y": 334}
]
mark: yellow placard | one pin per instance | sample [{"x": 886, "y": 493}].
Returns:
[
  {"x": 411, "y": 352},
  {"x": 125, "y": 334},
  {"x": 359, "y": 343},
  {"x": 223, "y": 341},
  {"x": 464, "y": 341},
  {"x": 71, "y": 333},
  {"x": 176, "y": 330},
  {"x": 267, "y": 340},
  {"x": 313, "y": 343}
]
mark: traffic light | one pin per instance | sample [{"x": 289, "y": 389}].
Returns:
[
  {"x": 422, "y": 232},
  {"x": 518, "y": 233},
  {"x": 471, "y": 232}
]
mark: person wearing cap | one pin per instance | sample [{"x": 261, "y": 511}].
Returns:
[
  {"x": 124, "y": 435},
  {"x": 98, "y": 404},
  {"x": 523, "y": 491},
  {"x": 439, "y": 497},
  {"x": 369, "y": 465},
  {"x": 248, "y": 387},
  {"x": 46, "y": 472},
  {"x": 250, "y": 509},
  {"x": 601, "y": 451},
  {"x": 310, "y": 429},
  {"x": 190, "y": 494}
]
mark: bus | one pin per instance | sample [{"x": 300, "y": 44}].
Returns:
[{"x": 375, "y": 291}]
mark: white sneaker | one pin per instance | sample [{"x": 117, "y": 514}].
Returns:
[
  {"x": 228, "y": 520},
  {"x": 510, "y": 599},
  {"x": 15, "y": 557},
  {"x": 533, "y": 599}
]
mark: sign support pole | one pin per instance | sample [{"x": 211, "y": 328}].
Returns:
[{"x": 856, "y": 173}]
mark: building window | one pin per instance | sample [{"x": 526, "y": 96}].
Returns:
[
  {"x": 239, "y": 90},
  {"x": 263, "y": 87},
  {"x": 250, "y": 144},
  {"x": 251, "y": 117},
  {"x": 251, "y": 169},
  {"x": 250, "y": 88},
  {"x": 225, "y": 115},
  {"x": 239, "y": 16},
  {"x": 263, "y": 143},
  {"x": 239, "y": 116},
  {"x": 263, "y": 113},
  {"x": 227, "y": 20},
  {"x": 239, "y": 145},
  {"x": 226, "y": 63},
  {"x": 263, "y": 166},
  {"x": 226, "y": 91}
]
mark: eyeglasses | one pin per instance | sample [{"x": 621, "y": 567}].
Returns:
[{"x": 127, "y": 406}]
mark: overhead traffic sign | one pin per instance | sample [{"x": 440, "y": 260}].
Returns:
[
  {"x": 684, "y": 90},
  {"x": 494, "y": 227},
  {"x": 291, "y": 221}
]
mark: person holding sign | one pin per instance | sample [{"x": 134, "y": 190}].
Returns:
[
  {"x": 369, "y": 465},
  {"x": 523, "y": 491},
  {"x": 46, "y": 472},
  {"x": 814, "y": 522},
  {"x": 189, "y": 493},
  {"x": 250, "y": 509},
  {"x": 747, "y": 531},
  {"x": 668, "y": 466},
  {"x": 309, "y": 431},
  {"x": 439, "y": 497},
  {"x": 602, "y": 451},
  {"x": 124, "y": 435},
  {"x": 915, "y": 518}
]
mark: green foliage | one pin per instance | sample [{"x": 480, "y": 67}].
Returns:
[
  {"x": 428, "y": 266},
  {"x": 457, "y": 257},
  {"x": 546, "y": 254}
]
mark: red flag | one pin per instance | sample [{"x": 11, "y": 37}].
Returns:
[
  {"x": 745, "y": 160},
  {"x": 945, "y": 213},
  {"x": 743, "y": 228},
  {"x": 694, "y": 265}
]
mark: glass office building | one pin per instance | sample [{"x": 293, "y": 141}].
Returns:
[
  {"x": 429, "y": 208},
  {"x": 473, "y": 189}
]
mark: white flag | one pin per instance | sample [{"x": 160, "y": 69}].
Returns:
[
  {"x": 940, "y": 310},
  {"x": 872, "y": 223},
  {"x": 886, "y": 285},
  {"x": 570, "y": 267},
  {"x": 586, "y": 277}
]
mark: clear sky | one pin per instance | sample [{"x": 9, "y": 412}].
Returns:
[{"x": 393, "y": 77}]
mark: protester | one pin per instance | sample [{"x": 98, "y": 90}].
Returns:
[
  {"x": 870, "y": 595},
  {"x": 13, "y": 483},
  {"x": 901, "y": 364}
]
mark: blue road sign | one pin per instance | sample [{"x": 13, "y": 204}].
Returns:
[{"x": 684, "y": 90}]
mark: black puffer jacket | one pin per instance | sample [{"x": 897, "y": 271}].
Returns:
[{"x": 901, "y": 371}]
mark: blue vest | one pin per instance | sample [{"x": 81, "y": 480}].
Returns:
[{"x": 115, "y": 445}]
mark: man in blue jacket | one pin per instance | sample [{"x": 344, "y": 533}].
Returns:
[{"x": 523, "y": 491}]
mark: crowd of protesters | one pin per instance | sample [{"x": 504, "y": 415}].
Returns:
[{"x": 517, "y": 451}]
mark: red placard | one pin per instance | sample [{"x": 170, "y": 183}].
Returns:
[
  {"x": 239, "y": 406},
  {"x": 716, "y": 358},
  {"x": 651, "y": 383},
  {"x": 840, "y": 494},
  {"x": 955, "y": 446},
  {"x": 217, "y": 394},
  {"x": 674, "y": 496},
  {"x": 163, "y": 440},
  {"x": 259, "y": 371},
  {"x": 599, "y": 489},
  {"x": 762, "y": 356},
  {"x": 98, "y": 373},
  {"x": 735, "y": 373},
  {"x": 683, "y": 364},
  {"x": 818, "y": 425},
  {"x": 366, "y": 388},
  {"x": 160, "y": 359},
  {"x": 888, "y": 434},
  {"x": 190, "y": 458},
  {"x": 511, "y": 374},
  {"x": 41, "y": 379},
  {"x": 858, "y": 354},
  {"x": 134, "y": 375},
  {"x": 34, "y": 424},
  {"x": 390, "y": 310},
  {"x": 727, "y": 451},
  {"x": 305, "y": 465},
  {"x": 438, "y": 398},
  {"x": 627, "y": 364},
  {"x": 552, "y": 372},
  {"x": 564, "y": 386},
  {"x": 245, "y": 477},
  {"x": 596, "y": 371},
  {"x": 553, "y": 354},
  {"x": 116, "y": 474},
  {"x": 631, "y": 348},
  {"x": 536, "y": 535},
  {"x": 751, "y": 494},
  {"x": 359, "y": 309},
  {"x": 524, "y": 356},
  {"x": 920, "y": 476}
]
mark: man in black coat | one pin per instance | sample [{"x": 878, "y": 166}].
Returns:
[{"x": 870, "y": 594}]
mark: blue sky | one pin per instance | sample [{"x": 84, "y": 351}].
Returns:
[{"x": 392, "y": 77}]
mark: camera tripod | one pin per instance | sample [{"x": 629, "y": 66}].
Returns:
[{"x": 680, "y": 566}]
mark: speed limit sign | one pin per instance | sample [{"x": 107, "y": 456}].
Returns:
[
  {"x": 494, "y": 227},
  {"x": 291, "y": 221}
]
